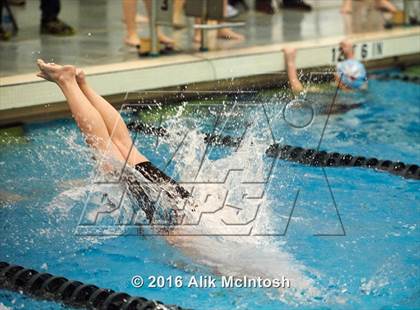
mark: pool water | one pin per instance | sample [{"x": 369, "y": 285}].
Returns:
[{"x": 353, "y": 246}]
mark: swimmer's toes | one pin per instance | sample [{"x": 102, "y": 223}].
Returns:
[
  {"x": 41, "y": 75},
  {"x": 289, "y": 50},
  {"x": 54, "y": 72},
  {"x": 80, "y": 75},
  {"x": 40, "y": 63}
]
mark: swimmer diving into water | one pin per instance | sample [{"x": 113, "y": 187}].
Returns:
[{"x": 105, "y": 130}]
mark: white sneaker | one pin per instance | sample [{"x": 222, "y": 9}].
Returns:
[{"x": 231, "y": 11}]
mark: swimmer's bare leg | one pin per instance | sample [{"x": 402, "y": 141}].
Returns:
[
  {"x": 290, "y": 61},
  {"x": 346, "y": 7},
  {"x": 114, "y": 123},
  {"x": 86, "y": 116},
  {"x": 164, "y": 39},
  {"x": 129, "y": 11},
  {"x": 386, "y": 5}
]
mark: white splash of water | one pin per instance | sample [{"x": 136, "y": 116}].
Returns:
[
  {"x": 226, "y": 219},
  {"x": 225, "y": 243}
]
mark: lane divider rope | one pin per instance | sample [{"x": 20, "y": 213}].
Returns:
[
  {"x": 301, "y": 155},
  {"x": 397, "y": 76},
  {"x": 75, "y": 294},
  {"x": 315, "y": 158}
]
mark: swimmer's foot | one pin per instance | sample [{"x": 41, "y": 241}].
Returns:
[
  {"x": 132, "y": 40},
  {"x": 165, "y": 40},
  {"x": 229, "y": 34},
  {"x": 80, "y": 76},
  {"x": 140, "y": 19},
  {"x": 56, "y": 73}
]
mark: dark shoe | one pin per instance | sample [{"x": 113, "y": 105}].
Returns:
[
  {"x": 165, "y": 50},
  {"x": 264, "y": 7},
  {"x": 17, "y": 2},
  {"x": 297, "y": 5},
  {"x": 57, "y": 27},
  {"x": 413, "y": 20},
  {"x": 4, "y": 35}
]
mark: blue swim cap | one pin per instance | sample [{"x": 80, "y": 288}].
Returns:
[{"x": 353, "y": 73}]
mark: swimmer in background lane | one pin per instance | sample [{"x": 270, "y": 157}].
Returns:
[
  {"x": 105, "y": 130},
  {"x": 351, "y": 72}
]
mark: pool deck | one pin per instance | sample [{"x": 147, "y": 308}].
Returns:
[{"x": 115, "y": 72}]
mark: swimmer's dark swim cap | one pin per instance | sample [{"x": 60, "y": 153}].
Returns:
[{"x": 353, "y": 74}]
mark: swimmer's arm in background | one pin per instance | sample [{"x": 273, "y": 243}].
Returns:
[
  {"x": 291, "y": 68},
  {"x": 296, "y": 86}
]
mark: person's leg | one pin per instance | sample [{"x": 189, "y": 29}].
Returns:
[
  {"x": 386, "y": 5},
  {"x": 50, "y": 24},
  {"x": 264, "y": 6},
  {"x": 197, "y": 32},
  {"x": 2, "y": 3},
  {"x": 49, "y": 10},
  {"x": 178, "y": 18},
  {"x": 86, "y": 116},
  {"x": 114, "y": 123},
  {"x": 164, "y": 39},
  {"x": 290, "y": 61},
  {"x": 3, "y": 34},
  {"x": 129, "y": 12},
  {"x": 346, "y": 7},
  {"x": 228, "y": 33},
  {"x": 296, "y": 4}
]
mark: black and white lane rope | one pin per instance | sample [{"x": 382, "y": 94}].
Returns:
[
  {"x": 311, "y": 157},
  {"x": 76, "y": 294},
  {"x": 316, "y": 158}
]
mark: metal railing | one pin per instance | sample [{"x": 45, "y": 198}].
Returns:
[{"x": 161, "y": 15}]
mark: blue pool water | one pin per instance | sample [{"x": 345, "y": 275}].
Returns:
[{"x": 369, "y": 260}]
